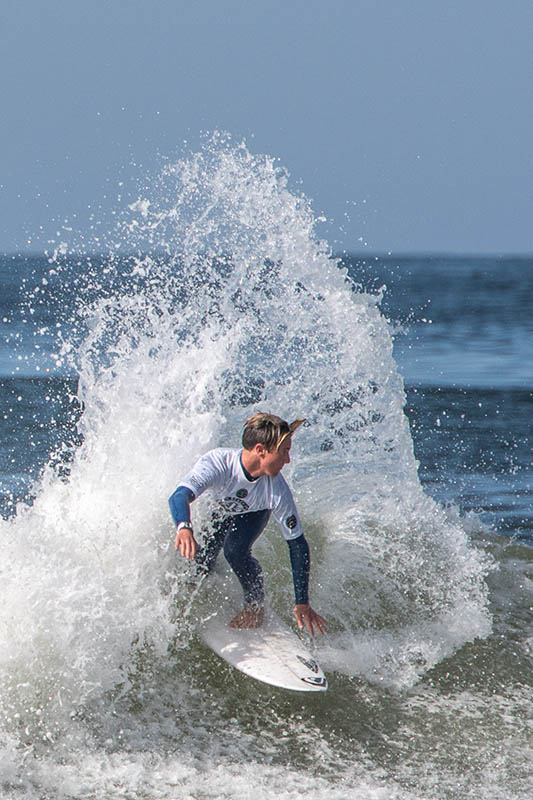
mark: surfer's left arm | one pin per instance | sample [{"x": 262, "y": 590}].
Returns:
[{"x": 305, "y": 616}]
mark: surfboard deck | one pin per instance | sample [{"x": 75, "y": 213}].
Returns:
[{"x": 272, "y": 654}]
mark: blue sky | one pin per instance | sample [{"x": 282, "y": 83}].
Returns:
[{"x": 409, "y": 124}]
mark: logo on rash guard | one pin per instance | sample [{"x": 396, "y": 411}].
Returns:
[
  {"x": 242, "y": 493},
  {"x": 234, "y": 505},
  {"x": 291, "y": 522}
]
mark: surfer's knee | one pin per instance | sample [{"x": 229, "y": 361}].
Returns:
[
  {"x": 237, "y": 554},
  {"x": 248, "y": 571}
]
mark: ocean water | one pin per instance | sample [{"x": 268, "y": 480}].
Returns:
[{"x": 212, "y": 296}]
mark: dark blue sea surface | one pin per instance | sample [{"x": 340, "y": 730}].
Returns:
[
  {"x": 467, "y": 320},
  {"x": 464, "y": 344}
]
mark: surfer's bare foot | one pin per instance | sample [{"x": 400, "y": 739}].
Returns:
[{"x": 248, "y": 618}]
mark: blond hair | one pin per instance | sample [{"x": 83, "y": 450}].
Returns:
[{"x": 268, "y": 430}]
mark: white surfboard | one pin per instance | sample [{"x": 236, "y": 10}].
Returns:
[{"x": 273, "y": 653}]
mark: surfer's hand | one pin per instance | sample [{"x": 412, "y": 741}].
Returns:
[
  {"x": 308, "y": 619},
  {"x": 186, "y": 543}
]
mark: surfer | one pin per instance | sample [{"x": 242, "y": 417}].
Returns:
[{"x": 249, "y": 487}]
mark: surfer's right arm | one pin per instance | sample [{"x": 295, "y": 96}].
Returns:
[
  {"x": 179, "y": 503},
  {"x": 209, "y": 472}
]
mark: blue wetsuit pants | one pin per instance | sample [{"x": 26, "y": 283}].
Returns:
[{"x": 237, "y": 534}]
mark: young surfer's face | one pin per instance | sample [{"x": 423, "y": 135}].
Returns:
[{"x": 274, "y": 461}]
